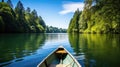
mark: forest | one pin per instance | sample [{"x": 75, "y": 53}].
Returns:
[
  {"x": 51, "y": 29},
  {"x": 21, "y": 20},
  {"x": 98, "y": 16}
]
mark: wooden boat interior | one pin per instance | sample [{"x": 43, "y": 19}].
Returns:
[{"x": 59, "y": 58}]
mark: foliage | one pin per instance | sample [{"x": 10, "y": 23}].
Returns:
[
  {"x": 34, "y": 22},
  {"x": 2, "y": 0},
  {"x": 50, "y": 29},
  {"x": 20, "y": 17},
  {"x": 19, "y": 20},
  {"x": 74, "y": 25},
  {"x": 1, "y": 25},
  {"x": 99, "y": 16},
  {"x": 95, "y": 46},
  {"x": 10, "y": 3},
  {"x": 28, "y": 42},
  {"x": 7, "y": 16}
]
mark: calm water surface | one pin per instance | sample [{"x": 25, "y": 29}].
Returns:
[{"x": 91, "y": 50}]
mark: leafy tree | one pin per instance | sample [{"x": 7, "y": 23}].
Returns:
[
  {"x": 74, "y": 24},
  {"x": 51, "y": 29},
  {"x": 99, "y": 16},
  {"x": 20, "y": 20},
  {"x": 7, "y": 18},
  {"x": 35, "y": 23},
  {"x": 41, "y": 21}
]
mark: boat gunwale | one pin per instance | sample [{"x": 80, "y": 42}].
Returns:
[
  {"x": 55, "y": 51},
  {"x": 75, "y": 60},
  {"x": 47, "y": 57}
]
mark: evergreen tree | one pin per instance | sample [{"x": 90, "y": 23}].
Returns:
[
  {"x": 74, "y": 24},
  {"x": 28, "y": 10},
  {"x": 51, "y": 29},
  {"x": 10, "y": 3},
  {"x": 98, "y": 16},
  {"x": 1, "y": 25},
  {"x": 2, "y": 0},
  {"x": 19, "y": 8},
  {"x": 7, "y": 19},
  {"x": 21, "y": 21},
  {"x": 42, "y": 22},
  {"x": 34, "y": 13}
]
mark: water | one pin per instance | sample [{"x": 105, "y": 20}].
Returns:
[{"x": 91, "y": 50}]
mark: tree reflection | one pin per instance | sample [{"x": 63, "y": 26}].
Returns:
[
  {"x": 100, "y": 50},
  {"x": 74, "y": 41},
  {"x": 13, "y": 46}
]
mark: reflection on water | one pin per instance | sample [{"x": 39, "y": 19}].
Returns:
[
  {"x": 91, "y": 50},
  {"x": 97, "y": 50},
  {"x": 56, "y": 37},
  {"x": 14, "y": 46},
  {"x": 27, "y": 50}
]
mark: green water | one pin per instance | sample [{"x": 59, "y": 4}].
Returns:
[
  {"x": 91, "y": 50},
  {"x": 98, "y": 50},
  {"x": 13, "y": 46}
]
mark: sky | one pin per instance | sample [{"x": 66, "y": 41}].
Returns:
[{"x": 57, "y": 13}]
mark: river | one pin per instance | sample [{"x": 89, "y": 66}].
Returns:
[{"x": 91, "y": 50}]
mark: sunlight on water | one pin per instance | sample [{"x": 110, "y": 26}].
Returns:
[
  {"x": 91, "y": 50},
  {"x": 99, "y": 50}
]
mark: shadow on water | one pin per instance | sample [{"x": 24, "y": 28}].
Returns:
[
  {"x": 96, "y": 50},
  {"x": 16, "y": 46}
]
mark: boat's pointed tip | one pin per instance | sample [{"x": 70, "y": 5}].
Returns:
[{"x": 60, "y": 46}]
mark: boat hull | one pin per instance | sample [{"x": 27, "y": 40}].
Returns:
[{"x": 59, "y": 58}]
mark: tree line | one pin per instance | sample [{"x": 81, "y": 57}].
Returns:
[
  {"x": 98, "y": 16},
  {"x": 20, "y": 20},
  {"x": 51, "y": 29}
]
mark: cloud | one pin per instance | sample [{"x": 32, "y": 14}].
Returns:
[{"x": 71, "y": 7}]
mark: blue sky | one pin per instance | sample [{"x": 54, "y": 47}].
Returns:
[{"x": 55, "y": 13}]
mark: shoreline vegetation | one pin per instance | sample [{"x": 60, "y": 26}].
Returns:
[
  {"x": 21, "y": 20},
  {"x": 98, "y": 16}
]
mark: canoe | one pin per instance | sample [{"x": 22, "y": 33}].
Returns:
[{"x": 60, "y": 57}]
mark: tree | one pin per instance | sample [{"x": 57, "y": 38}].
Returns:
[
  {"x": 74, "y": 23},
  {"x": 2, "y": 0},
  {"x": 34, "y": 13},
  {"x": 98, "y": 16},
  {"x": 1, "y": 25},
  {"x": 10, "y": 3},
  {"x": 28, "y": 10},
  {"x": 19, "y": 8},
  {"x": 51, "y": 29},
  {"x": 7, "y": 18},
  {"x": 42, "y": 22},
  {"x": 21, "y": 21}
]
